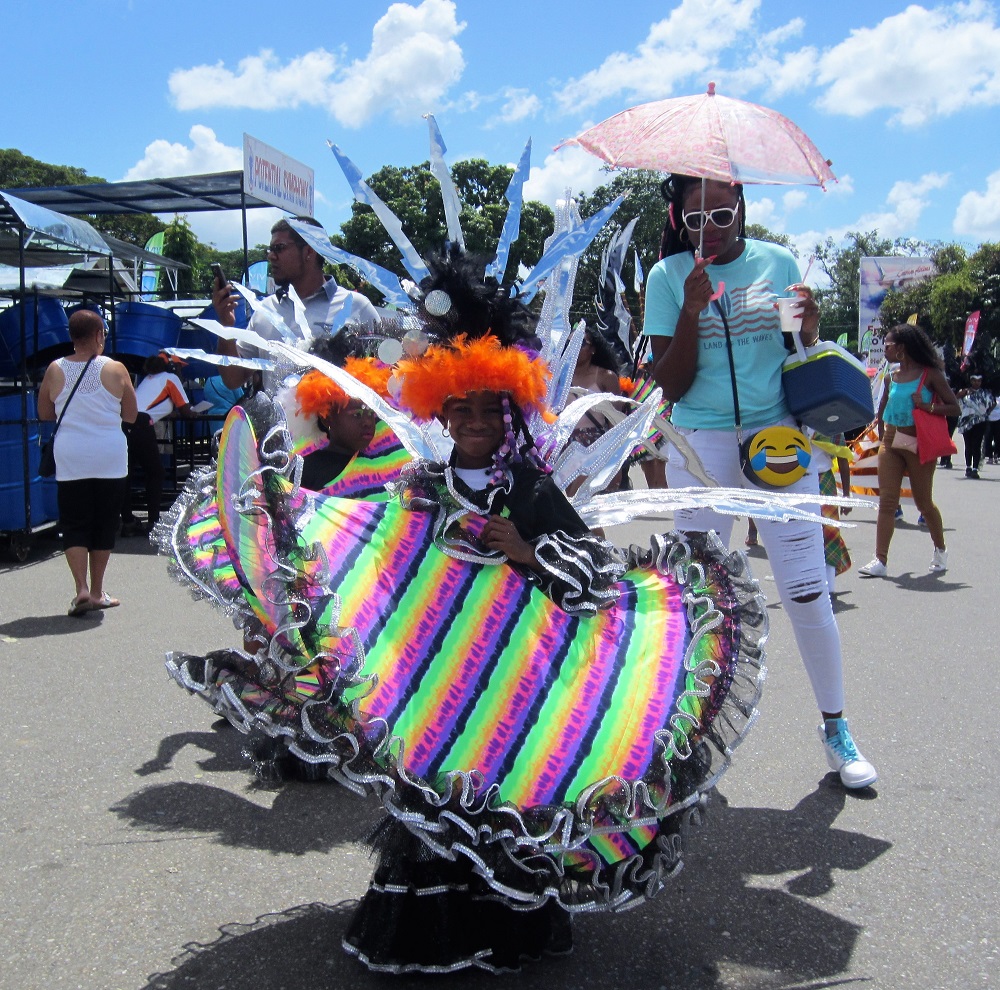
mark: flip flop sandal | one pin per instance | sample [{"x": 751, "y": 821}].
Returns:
[
  {"x": 107, "y": 602},
  {"x": 78, "y": 607}
]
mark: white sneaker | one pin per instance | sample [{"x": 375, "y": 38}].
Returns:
[
  {"x": 939, "y": 562},
  {"x": 843, "y": 756},
  {"x": 875, "y": 568}
]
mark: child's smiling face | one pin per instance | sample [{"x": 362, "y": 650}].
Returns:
[{"x": 476, "y": 425}]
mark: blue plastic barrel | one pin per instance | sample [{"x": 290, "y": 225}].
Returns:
[
  {"x": 241, "y": 314},
  {"x": 143, "y": 330},
  {"x": 12, "y": 436},
  {"x": 52, "y": 328}
]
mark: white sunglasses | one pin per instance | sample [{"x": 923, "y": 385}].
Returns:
[{"x": 722, "y": 217}]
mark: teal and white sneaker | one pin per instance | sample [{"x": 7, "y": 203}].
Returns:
[{"x": 843, "y": 756}]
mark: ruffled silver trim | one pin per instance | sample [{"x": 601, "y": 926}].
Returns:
[{"x": 520, "y": 852}]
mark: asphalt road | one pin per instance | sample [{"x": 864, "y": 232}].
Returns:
[{"x": 138, "y": 853}]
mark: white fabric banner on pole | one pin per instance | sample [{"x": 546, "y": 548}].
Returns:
[{"x": 277, "y": 179}]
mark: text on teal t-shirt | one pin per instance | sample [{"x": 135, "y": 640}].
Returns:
[{"x": 752, "y": 280}]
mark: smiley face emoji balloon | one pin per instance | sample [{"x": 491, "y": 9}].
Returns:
[{"x": 777, "y": 456}]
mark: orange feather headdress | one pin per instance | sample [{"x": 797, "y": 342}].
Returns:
[
  {"x": 451, "y": 370},
  {"x": 319, "y": 396}
]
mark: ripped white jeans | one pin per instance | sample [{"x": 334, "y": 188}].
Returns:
[{"x": 794, "y": 551}]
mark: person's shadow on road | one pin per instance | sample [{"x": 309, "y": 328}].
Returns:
[
  {"x": 33, "y": 626},
  {"x": 742, "y": 909},
  {"x": 223, "y": 744},
  {"x": 234, "y": 820}
]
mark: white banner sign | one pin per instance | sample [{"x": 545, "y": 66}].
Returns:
[{"x": 275, "y": 178}]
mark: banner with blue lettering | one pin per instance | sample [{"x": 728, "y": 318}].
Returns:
[{"x": 277, "y": 179}]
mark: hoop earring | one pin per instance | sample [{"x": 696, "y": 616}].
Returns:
[{"x": 445, "y": 432}]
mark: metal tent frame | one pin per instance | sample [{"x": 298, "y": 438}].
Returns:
[{"x": 180, "y": 194}]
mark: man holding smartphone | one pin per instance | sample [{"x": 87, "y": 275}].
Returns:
[{"x": 292, "y": 264}]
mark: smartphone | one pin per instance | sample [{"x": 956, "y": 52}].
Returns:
[{"x": 220, "y": 276}]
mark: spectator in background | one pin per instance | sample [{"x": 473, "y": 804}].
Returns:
[
  {"x": 221, "y": 396},
  {"x": 295, "y": 265},
  {"x": 991, "y": 442},
  {"x": 976, "y": 403},
  {"x": 90, "y": 452},
  {"x": 917, "y": 383},
  {"x": 159, "y": 394}
]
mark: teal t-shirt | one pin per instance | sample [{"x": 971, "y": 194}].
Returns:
[{"x": 760, "y": 273}]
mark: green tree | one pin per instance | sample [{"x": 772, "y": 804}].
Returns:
[
  {"x": 18, "y": 171},
  {"x": 641, "y": 189},
  {"x": 951, "y": 298},
  {"x": 942, "y": 303},
  {"x": 900, "y": 304},
  {"x": 231, "y": 262},
  {"x": 180, "y": 244},
  {"x": 761, "y": 233},
  {"x": 136, "y": 228},
  {"x": 949, "y": 258}
]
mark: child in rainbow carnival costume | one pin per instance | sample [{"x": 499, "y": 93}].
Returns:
[{"x": 538, "y": 711}]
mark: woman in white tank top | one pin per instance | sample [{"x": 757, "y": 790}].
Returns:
[{"x": 91, "y": 454}]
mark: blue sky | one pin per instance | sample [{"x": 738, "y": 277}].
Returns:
[{"x": 902, "y": 97}]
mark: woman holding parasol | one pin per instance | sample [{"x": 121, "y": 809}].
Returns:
[
  {"x": 718, "y": 349},
  {"x": 706, "y": 343}
]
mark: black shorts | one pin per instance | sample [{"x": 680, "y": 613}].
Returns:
[{"x": 90, "y": 510}]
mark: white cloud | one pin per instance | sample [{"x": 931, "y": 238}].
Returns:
[
  {"x": 978, "y": 213},
  {"x": 413, "y": 61},
  {"x": 260, "y": 82},
  {"x": 682, "y": 46},
  {"x": 777, "y": 73},
  {"x": 568, "y": 168},
  {"x": 507, "y": 105},
  {"x": 794, "y": 199},
  {"x": 763, "y": 211},
  {"x": 518, "y": 104},
  {"x": 920, "y": 63},
  {"x": 465, "y": 102},
  {"x": 767, "y": 213},
  {"x": 844, "y": 186},
  {"x": 907, "y": 201},
  {"x": 206, "y": 153}
]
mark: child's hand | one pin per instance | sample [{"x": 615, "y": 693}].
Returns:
[{"x": 501, "y": 534}]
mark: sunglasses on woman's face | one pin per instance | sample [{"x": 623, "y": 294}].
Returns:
[{"x": 722, "y": 217}]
